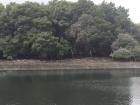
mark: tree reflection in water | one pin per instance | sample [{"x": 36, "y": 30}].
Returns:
[{"x": 42, "y": 90}]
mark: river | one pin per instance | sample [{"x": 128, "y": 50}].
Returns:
[{"x": 69, "y": 90}]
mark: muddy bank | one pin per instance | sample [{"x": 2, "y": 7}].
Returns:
[{"x": 68, "y": 64}]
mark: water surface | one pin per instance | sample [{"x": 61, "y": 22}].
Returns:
[{"x": 44, "y": 90}]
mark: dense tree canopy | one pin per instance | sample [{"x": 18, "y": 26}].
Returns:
[{"x": 65, "y": 29}]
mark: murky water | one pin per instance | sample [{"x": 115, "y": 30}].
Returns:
[{"x": 43, "y": 90}]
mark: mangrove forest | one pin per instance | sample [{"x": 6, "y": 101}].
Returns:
[{"x": 63, "y": 29}]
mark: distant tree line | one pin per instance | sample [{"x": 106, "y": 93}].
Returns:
[{"x": 62, "y": 29}]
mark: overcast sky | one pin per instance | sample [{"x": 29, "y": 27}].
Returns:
[{"x": 132, "y": 5}]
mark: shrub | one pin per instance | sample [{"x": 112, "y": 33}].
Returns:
[
  {"x": 124, "y": 41},
  {"x": 136, "y": 53},
  {"x": 122, "y": 54},
  {"x": 9, "y": 58}
]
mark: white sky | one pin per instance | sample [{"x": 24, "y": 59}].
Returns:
[{"x": 132, "y": 5}]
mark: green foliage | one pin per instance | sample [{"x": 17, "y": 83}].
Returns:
[
  {"x": 2, "y": 46},
  {"x": 121, "y": 54},
  {"x": 80, "y": 33},
  {"x": 64, "y": 29},
  {"x": 124, "y": 41},
  {"x": 10, "y": 47},
  {"x": 60, "y": 14},
  {"x": 48, "y": 46},
  {"x": 136, "y": 53}
]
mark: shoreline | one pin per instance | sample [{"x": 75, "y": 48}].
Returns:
[
  {"x": 67, "y": 64},
  {"x": 88, "y": 67}
]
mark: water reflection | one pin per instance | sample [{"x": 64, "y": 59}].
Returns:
[
  {"x": 135, "y": 90},
  {"x": 38, "y": 90}
]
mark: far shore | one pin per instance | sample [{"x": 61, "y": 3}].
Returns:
[{"x": 67, "y": 64}]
